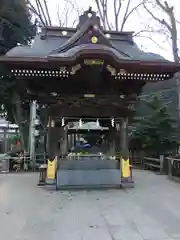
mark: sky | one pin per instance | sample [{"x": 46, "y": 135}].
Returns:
[{"x": 138, "y": 21}]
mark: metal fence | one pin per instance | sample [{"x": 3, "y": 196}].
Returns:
[{"x": 21, "y": 162}]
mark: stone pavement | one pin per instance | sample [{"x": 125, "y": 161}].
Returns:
[{"x": 150, "y": 211}]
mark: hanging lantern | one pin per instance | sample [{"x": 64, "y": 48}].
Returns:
[
  {"x": 80, "y": 123},
  {"x": 112, "y": 122},
  {"x": 62, "y": 122}
]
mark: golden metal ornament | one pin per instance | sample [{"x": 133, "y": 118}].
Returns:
[
  {"x": 122, "y": 71},
  {"x": 93, "y": 62},
  {"x": 75, "y": 69},
  {"x": 63, "y": 69},
  {"x": 89, "y": 15},
  {"x": 94, "y": 39},
  {"x": 111, "y": 70}
]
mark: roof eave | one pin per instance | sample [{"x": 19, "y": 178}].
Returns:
[
  {"x": 162, "y": 66},
  {"x": 6, "y": 59}
]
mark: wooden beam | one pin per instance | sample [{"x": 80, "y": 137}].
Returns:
[
  {"x": 90, "y": 111},
  {"x": 78, "y": 100},
  {"x": 79, "y": 85},
  {"x": 53, "y": 62}
]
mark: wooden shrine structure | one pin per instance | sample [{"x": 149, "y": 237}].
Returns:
[{"x": 84, "y": 73}]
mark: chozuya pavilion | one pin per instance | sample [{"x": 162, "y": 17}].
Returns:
[{"x": 86, "y": 73}]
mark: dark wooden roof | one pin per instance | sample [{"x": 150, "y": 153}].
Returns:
[
  {"x": 54, "y": 49},
  {"x": 56, "y": 40}
]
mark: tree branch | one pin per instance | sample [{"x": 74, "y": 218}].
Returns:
[
  {"x": 172, "y": 28},
  {"x": 116, "y": 12},
  {"x": 47, "y": 12},
  {"x": 128, "y": 14},
  {"x": 33, "y": 10},
  {"x": 41, "y": 11},
  {"x": 74, "y": 6},
  {"x": 100, "y": 11},
  {"x": 162, "y": 22},
  {"x": 150, "y": 38},
  {"x": 158, "y": 2},
  {"x": 125, "y": 15},
  {"x": 147, "y": 31}
]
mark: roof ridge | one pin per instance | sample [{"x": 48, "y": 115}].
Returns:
[
  {"x": 75, "y": 37},
  {"x": 72, "y": 40}
]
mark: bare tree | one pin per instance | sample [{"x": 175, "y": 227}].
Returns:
[
  {"x": 169, "y": 25},
  {"x": 122, "y": 12},
  {"x": 70, "y": 6},
  {"x": 39, "y": 8}
]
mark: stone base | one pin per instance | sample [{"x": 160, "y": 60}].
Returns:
[
  {"x": 41, "y": 184},
  {"x": 87, "y": 187},
  {"x": 50, "y": 182},
  {"x": 88, "y": 179},
  {"x": 90, "y": 174},
  {"x": 127, "y": 184}
]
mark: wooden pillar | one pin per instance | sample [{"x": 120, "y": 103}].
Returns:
[
  {"x": 51, "y": 138},
  {"x": 70, "y": 141},
  {"x": 78, "y": 137},
  {"x": 117, "y": 139},
  {"x": 74, "y": 138},
  {"x": 126, "y": 175},
  {"x": 113, "y": 142},
  {"x": 64, "y": 141},
  {"x": 114, "y": 148},
  {"x": 124, "y": 138},
  {"x": 5, "y": 141}
]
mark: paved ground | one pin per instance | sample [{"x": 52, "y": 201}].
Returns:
[{"x": 149, "y": 211}]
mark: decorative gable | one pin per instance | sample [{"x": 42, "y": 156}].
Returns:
[
  {"x": 89, "y": 15},
  {"x": 89, "y": 31}
]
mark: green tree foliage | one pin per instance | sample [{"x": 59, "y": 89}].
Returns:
[
  {"x": 157, "y": 132},
  {"x": 16, "y": 27},
  {"x": 15, "y": 24},
  {"x": 167, "y": 92}
]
